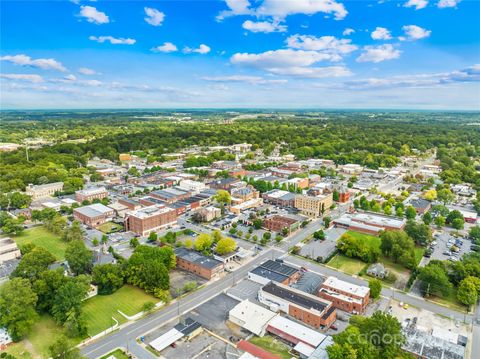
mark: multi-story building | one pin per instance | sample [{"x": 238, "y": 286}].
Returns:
[
  {"x": 279, "y": 198},
  {"x": 243, "y": 194},
  {"x": 131, "y": 204},
  {"x": 170, "y": 195},
  {"x": 251, "y": 203},
  {"x": 193, "y": 187},
  {"x": 8, "y": 250},
  {"x": 194, "y": 262},
  {"x": 298, "y": 182},
  {"x": 314, "y": 206},
  {"x": 94, "y": 214},
  {"x": 150, "y": 219},
  {"x": 89, "y": 194},
  {"x": 344, "y": 295},
  {"x": 43, "y": 190},
  {"x": 277, "y": 223},
  {"x": 370, "y": 223},
  {"x": 302, "y": 306},
  {"x": 224, "y": 183}
]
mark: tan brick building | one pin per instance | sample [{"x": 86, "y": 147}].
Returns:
[
  {"x": 43, "y": 190},
  {"x": 314, "y": 206},
  {"x": 150, "y": 219}
]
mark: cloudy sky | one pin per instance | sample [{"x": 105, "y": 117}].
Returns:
[{"x": 409, "y": 54}]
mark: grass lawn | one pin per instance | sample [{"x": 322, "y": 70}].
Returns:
[
  {"x": 43, "y": 334},
  {"x": 18, "y": 350},
  {"x": 100, "y": 309},
  {"x": 372, "y": 241},
  {"x": 346, "y": 264},
  {"x": 451, "y": 301},
  {"x": 43, "y": 238},
  {"x": 272, "y": 345},
  {"x": 119, "y": 354},
  {"x": 109, "y": 227}
]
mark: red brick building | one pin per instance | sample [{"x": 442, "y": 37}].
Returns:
[
  {"x": 94, "y": 214},
  {"x": 277, "y": 223},
  {"x": 346, "y": 296},
  {"x": 150, "y": 219},
  {"x": 194, "y": 262}
]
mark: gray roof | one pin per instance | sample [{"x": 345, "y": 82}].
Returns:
[{"x": 197, "y": 258}]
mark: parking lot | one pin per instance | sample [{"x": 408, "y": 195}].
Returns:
[
  {"x": 246, "y": 289},
  {"x": 319, "y": 248},
  {"x": 443, "y": 242}
]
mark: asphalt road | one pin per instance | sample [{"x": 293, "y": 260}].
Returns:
[{"x": 126, "y": 336}]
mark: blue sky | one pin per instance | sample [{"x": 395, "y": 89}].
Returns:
[{"x": 409, "y": 54}]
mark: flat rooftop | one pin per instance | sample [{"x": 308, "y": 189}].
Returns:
[
  {"x": 348, "y": 287},
  {"x": 279, "y": 267},
  {"x": 294, "y": 296},
  {"x": 149, "y": 211},
  {"x": 93, "y": 210},
  {"x": 197, "y": 258}
]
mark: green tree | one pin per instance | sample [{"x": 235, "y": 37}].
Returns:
[
  {"x": 440, "y": 221},
  {"x": 434, "y": 280},
  {"x": 419, "y": 232},
  {"x": 225, "y": 245},
  {"x": 257, "y": 223},
  {"x": 445, "y": 195},
  {"x": 427, "y": 218},
  {"x": 375, "y": 288},
  {"x": 62, "y": 348},
  {"x": 73, "y": 233},
  {"x": 475, "y": 233},
  {"x": 109, "y": 278},
  {"x": 79, "y": 257},
  {"x": 410, "y": 212},
  {"x": 19, "y": 200},
  {"x": 327, "y": 221},
  {"x": 152, "y": 237},
  {"x": 68, "y": 299},
  {"x": 468, "y": 290},
  {"x": 17, "y": 307},
  {"x": 13, "y": 226},
  {"x": 223, "y": 196},
  {"x": 203, "y": 242},
  {"x": 33, "y": 264}
]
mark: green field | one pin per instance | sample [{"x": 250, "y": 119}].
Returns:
[
  {"x": 100, "y": 309},
  {"x": 372, "y": 241},
  {"x": 18, "y": 350},
  {"x": 41, "y": 237},
  {"x": 346, "y": 264},
  {"x": 43, "y": 334},
  {"x": 272, "y": 345},
  {"x": 118, "y": 354}
]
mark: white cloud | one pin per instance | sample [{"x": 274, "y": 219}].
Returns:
[
  {"x": 292, "y": 63},
  {"x": 442, "y": 4},
  {"x": 381, "y": 33},
  {"x": 166, "y": 47},
  {"x": 23, "y": 77},
  {"x": 414, "y": 32},
  {"x": 44, "y": 64},
  {"x": 87, "y": 71},
  {"x": 325, "y": 44},
  {"x": 379, "y": 53},
  {"x": 255, "y": 80},
  {"x": 313, "y": 72},
  {"x": 263, "y": 26},
  {"x": 154, "y": 17},
  {"x": 280, "y": 9},
  {"x": 113, "y": 40},
  {"x": 469, "y": 74},
  {"x": 236, "y": 7},
  {"x": 417, "y": 4},
  {"x": 348, "y": 31},
  {"x": 202, "y": 49},
  {"x": 93, "y": 15}
]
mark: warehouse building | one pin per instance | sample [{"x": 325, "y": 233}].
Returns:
[
  {"x": 251, "y": 316},
  {"x": 94, "y": 214}
]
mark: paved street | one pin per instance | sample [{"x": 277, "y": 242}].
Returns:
[{"x": 126, "y": 337}]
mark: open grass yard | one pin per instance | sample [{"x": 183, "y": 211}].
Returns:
[
  {"x": 272, "y": 345},
  {"x": 18, "y": 350},
  {"x": 118, "y": 354},
  {"x": 100, "y": 309},
  {"x": 451, "y": 301},
  {"x": 346, "y": 264},
  {"x": 370, "y": 240},
  {"x": 109, "y": 227},
  {"x": 41, "y": 237}
]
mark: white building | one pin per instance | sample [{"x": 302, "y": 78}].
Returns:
[
  {"x": 194, "y": 187},
  {"x": 251, "y": 317}
]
